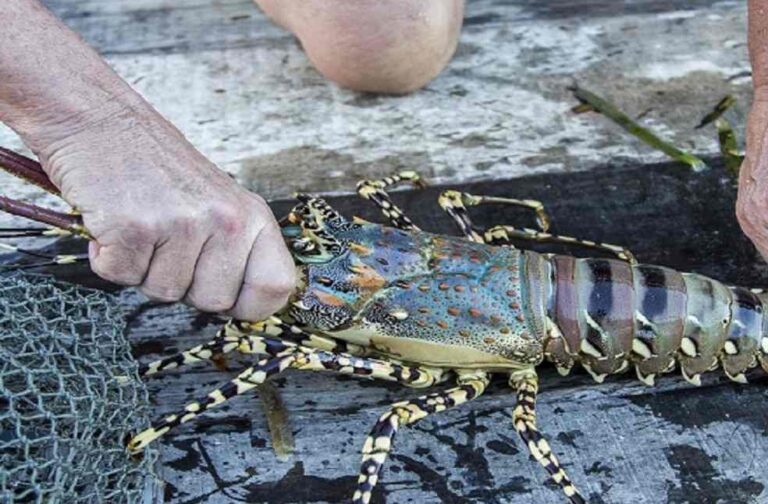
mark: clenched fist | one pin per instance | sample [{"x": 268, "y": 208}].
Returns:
[{"x": 167, "y": 220}]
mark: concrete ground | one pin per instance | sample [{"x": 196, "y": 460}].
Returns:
[{"x": 244, "y": 93}]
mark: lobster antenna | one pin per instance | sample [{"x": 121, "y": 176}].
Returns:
[
  {"x": 26, "y": 169},
  {"x": 63, "y": 221}
]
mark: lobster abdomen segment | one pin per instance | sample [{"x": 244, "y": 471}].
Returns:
[{"x": 607, "y": 315}]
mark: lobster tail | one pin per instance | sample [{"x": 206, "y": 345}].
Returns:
[{"x": 609, "y": 315}]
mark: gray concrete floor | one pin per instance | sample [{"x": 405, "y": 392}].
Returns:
[{"x": 243, "y": 92}]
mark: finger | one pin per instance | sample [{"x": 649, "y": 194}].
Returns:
[
  {"x": 172, "y": 270},
  {"x": 119, "y": 264},
  {"x": 218, "y": 273},
  {"x": 270, "y": 277}
]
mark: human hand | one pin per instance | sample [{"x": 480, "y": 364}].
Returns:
[
  {"x": 163, "y": 217},
  {"x": 166, "y": 219},
  {"x": 752, "y": 202}
]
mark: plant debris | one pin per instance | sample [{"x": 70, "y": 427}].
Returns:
[{"x": 591, "y": 101}]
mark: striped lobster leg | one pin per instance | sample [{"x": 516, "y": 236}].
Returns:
[
  {"x": 224, "y": 342},
  {"x": 526, "y": 383},
  {"x": 235, "y": 332},
  {"x": 455, "y": 204},
  {"x": 379, "y": 442},
  {"x": 503, "y": 235},
  {"x": 374, "y": 190},
  {"x": 284, "y": 355}
]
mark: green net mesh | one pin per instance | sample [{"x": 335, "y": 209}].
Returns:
[{"x": 69, "y": 396}]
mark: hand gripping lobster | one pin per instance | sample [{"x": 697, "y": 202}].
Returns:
[{"x": 403, "y": 305}]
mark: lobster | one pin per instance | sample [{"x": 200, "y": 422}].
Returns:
[{"x": 398, "y": 304}]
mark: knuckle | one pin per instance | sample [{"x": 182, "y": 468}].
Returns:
[
  {"x": 208, "y": 303},
  {"x": 127, "y": 275},
  {"x": 163, "y": 293},
  {"x": 186, "y": 225},
  {"x": 228, "y": 219},
  {"x": 282, "y": 286},
  {"x": 273, "y": 293},
  {"x": 260, "y": 205}
]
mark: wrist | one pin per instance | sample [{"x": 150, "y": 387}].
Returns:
[
  {"x": 44, "y": 131},
  {"x": 122, "y": 137}
]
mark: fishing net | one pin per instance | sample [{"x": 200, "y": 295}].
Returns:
[{"x": 69, "y": 396}]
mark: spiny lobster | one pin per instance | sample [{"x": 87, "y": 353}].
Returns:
[{"x": 403, "y": 305}]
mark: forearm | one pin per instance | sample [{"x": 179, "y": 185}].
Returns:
[
  {"x": 758, "y": 117},
  {"x": 752, "y": 202},
  {"x": 758, "y": 46},
  {"x": 53, "y": 84}
]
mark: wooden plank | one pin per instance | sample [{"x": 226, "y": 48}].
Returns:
[
  {"x": 621, "y": 441},
  {"x": 146, "y": 26},
  {"x": 134, "y": 28}
]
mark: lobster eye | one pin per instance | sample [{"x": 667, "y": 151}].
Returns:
[{"x": 324, "y": 280}]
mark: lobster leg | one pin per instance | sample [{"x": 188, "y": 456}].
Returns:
[
  {"x": 526, "y": 383},
  {"x": 30, "y": 232},
  {"x": 318, "y": 243},
  {"x": 284, "y": 355},
  {"x": 222, "y": 343},
  {"x": 277, "y": 327},
  {"x": 502, "y": 235},
  {"x": 235, "y": 332},
  {"x": 47, "y": 259},
  {"x": 26, "y": 169},
  {"x": 64, "y": 223},
  {"x": 455, "y": 203},
  {"x": 373, "y": 190},
  {"x": 379, "y": 441},
  {"x": 31, "y": 171}
]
